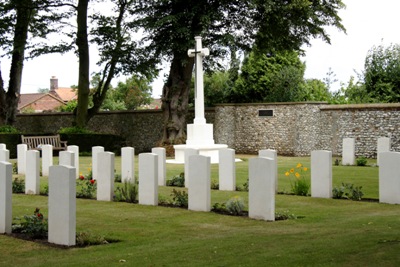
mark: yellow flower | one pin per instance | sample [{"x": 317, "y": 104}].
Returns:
[
  {"x": 292, "y": 170},
  {"x": 287, "y": 173},
  {"x": 305, "y": 169},
  {"x": 299, "y": 165},
  {"x": 297, "y": 175}
]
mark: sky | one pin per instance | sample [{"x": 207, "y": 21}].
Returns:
[{"x": 368, "y": 23}]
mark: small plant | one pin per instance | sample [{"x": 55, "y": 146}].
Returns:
[
  {"x": 84, "y": 239},
  {"x": 35, "y": 226},
  {"x": 246, "y": 185},
  {"x": 361, "y": 161},
  {"x": 180, "y": 198},
  {"x": 18, "y": 186},
  {"x": 214, "y": 185},
  {"x": 338, "y": 192},
  {"x": 8, "y": 129},
  {"x": 284, "y": 215},
  {"x": 235, "y": 205},
  {"x": 127, "y": 193},
  {"x": 15, "y": 168},
  {"x": 337, "y": 162},
  {"x": 300, "y": 186},
  {"x": 45, "y": 190},
  {"x": 87, "y": 187},
  {"x": 219, "y": 207},
  {"x": 178, "y": 180},
  {"x": 348, "y": 191},
  {"x": 117, "y": 178}
]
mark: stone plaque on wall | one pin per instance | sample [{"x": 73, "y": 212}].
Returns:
[{"x": 265, "y": 113}]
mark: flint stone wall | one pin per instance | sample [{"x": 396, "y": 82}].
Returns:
[{"x": 295, "y": 129}]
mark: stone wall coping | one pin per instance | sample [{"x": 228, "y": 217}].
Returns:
[
  {"x": 273, "y": 103},
  {"x": 361, "y": 106}
]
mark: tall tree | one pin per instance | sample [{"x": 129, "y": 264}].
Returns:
[
  {"x": 269, "y": 78},
  {"x": 18, "y": 19},
  {"x": 382, "y": 73},
  {"x": 118, "y": 51},
  {"x": 274, "y": 25}
]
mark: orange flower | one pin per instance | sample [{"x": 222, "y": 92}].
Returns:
[
  {"x": 297, "y": 175},
  {"x": 305, "y": 169},
  {"x": 299, "y": 165},
  {"x": 292, "y": 170},
  {"x": 287, "y": 173}
]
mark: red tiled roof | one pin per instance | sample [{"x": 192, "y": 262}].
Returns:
[{"x": 66, "y": 94}]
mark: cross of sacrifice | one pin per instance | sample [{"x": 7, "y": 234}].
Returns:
[{"x": 199, "y": 52}]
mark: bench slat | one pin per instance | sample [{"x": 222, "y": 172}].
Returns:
[{"x": 34, "y": 142}]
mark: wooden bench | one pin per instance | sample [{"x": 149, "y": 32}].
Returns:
[{"x": 35, "y": 142}]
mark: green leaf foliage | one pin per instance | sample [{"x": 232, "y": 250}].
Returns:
[
  {"x": 382, "y": 73},
  {"x": 269, "y": 78}
]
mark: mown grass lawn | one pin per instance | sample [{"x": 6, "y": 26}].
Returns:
[{"x": 329, "y": 233}]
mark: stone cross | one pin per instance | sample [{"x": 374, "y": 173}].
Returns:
[{"x": 199, "y": 52}]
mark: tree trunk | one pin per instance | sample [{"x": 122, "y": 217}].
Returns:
[
  {"x": 81, "y": 116},
  {"x": 2, "y": 101},
  {"x": 175, "y": 100},
  {"x": 9, "y": 108}
]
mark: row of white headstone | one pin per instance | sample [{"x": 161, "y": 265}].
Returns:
[
  {"x": 262, "y": 185},
  {"x": 349, "y": 149}
]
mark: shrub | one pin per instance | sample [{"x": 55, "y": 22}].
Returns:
[
  {"x": 180, "y": 198},
  {"x": 127, "y": 193},
  {"x": 361, "y": 161},
  {"x": 235, "y": 205},
  {"x": 348, "y": 191},
  {"x": 74, "y": 130},
  {"x": 35, "y": 226},
  {"x": 177, "y": 180},
  {"x": 300, "y": 186},
  {"x": 18, "y": 186},
  {"x": 8, "y": 129}
]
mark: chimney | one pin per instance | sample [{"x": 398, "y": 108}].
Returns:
[{"x": 53, "y": 83}]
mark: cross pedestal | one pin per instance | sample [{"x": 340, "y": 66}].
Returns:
[{"x": 200, "y": 135}]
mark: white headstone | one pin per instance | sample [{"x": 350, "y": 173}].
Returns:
[
  {"x": 262, "y": 188},
  {"x": 227, "y": 169},
  {"x": 4, "y": 155},
  {"x": 148, "y": 179},
  {"x": 199, "y": 175},
  {"x": 66, "y": 158},
  {"x": 162, "y": 167},
  {"x": 32, "y": 176},
  {"x": 75, "y": 150},
  {"x": 321, "y": 174},
  {"x": 47, "y": 159},
  {"x": 21, "y": 157},
  {"x": 188, "y": 152},
  {"x": 389, "y": 177},
  {"x": 3, "y": 146},
  {"x": 127, "y": 164},
  {"x": 5, "y": 197},
  {"x": 384, "y": 145},
  {"x": 105, "y": 176},
  {"x": 270, "y": 153},
  {"x": 62, "y": 205},
  {"x": 95, "y": 151},
  {"x": 349, "y": 151}
]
